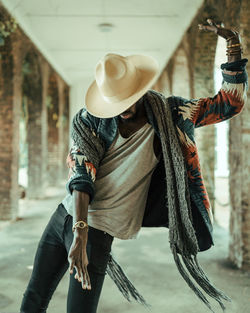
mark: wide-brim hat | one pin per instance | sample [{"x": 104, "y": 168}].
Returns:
[{"x": 119, "y": 82}]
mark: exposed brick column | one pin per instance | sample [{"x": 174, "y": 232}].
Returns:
[
  {"x": 245, "y": 116},
  {"x": 62, "y": 140},
  {"x": 9, "y": 131},
  {"x": 239, "y": 149},
  {"x": 12, "y": 54},
  {"x": 44, "y": 122},
  {"x": 17, "y": 100},
  {"x": 32, "y": 90},
  {"x": 8, "y": 205},
  {"x": 53, "y": 130}
]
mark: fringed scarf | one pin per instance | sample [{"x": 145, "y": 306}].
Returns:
[{"x": 182, "y": 238}]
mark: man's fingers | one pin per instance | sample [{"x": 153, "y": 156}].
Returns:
[
  {"x": 78, "y": 274},
  {"x": 211, "y": 22},
  {"x": 220, "y": 25},
  {"x": 71, "y": 267},
  {"x": 202, "y": 27},
  {"x": 88, "y": 279},
  {"x": 218, "y": 28},
  {"x": 81, "y": 274},
  {"x": 212, "y": 26},
  {"x": 84, "y": 282},
  {"x": 207, "y": 27}
]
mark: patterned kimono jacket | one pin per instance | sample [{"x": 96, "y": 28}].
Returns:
[{"x": 187, "y": 115}]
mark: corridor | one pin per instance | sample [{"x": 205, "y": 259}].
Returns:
[
  {"x": 48, "y": 54},
  {"x": 147, "y": 261}
]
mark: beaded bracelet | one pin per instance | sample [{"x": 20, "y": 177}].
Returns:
[
  {"x": 233, "y": 51},
  {"x": 235, "y": 45},
  {"x": 231, "y": 38}
]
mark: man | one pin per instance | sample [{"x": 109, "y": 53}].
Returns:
[{"x": 134, "y": 163}]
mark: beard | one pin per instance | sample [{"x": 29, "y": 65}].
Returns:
[
  {"x": 129, "y": 119},
  {"x": 134, "y": 115}
]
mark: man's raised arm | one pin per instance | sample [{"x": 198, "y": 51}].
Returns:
[{"x": 231, "y": 98}]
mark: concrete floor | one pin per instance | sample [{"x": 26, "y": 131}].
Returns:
[{"x": 147, "y": 261}]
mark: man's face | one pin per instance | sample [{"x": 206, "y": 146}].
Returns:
[{"x": 131, "y": 113}]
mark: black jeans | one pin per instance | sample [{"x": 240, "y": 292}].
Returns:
[{"x": 51, "y": 263}]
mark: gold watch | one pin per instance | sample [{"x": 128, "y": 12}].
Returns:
[{"x": 80, "y": 224}]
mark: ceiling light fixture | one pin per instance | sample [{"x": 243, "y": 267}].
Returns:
[{"x": 105, "y": 27}]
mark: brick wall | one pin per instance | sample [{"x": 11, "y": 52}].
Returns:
[
  {"x": 245, "y": 131},
  {"x": 53, "y": 129},
  {"x": 14, "y": 86},
  {"x": 8, "y": 184},
  {"x": 32, "y": 93},
  {"x": 239, "y": 146}
]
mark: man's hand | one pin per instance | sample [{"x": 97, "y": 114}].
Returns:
[
  {"x": 220, "y": 30},
  {"x": 78, "y": 258},
  {"x": 232, "y": 37}
]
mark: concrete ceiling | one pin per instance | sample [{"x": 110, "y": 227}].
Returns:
[{"x": 67, "y": 31}]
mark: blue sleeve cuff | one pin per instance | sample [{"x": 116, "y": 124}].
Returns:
[
  {"x": 235, "y": 79},
  {"x": 236, "y": 66},
  {"x": 80, "y": 184}
]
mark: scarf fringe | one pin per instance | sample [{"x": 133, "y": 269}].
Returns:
[
  {"x": 182, "y": 236},
  {"x": 181, "y": 231},
  {"x": 128, "y": 290},
  {"x": 201, "y": 278}
]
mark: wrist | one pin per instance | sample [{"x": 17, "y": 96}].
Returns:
[
  {"x": 233, "y": 40},
  {"x": 234, "y": 48},
  {"x": 234, "y": 58},
  {"x": 81, "y": 234},
  {"x": 80, "y": 224}
]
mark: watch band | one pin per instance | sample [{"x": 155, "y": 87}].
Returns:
[{"x": 80, "y": 224}]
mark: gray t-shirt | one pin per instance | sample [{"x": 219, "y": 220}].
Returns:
[{"x": 122, "y": 184}]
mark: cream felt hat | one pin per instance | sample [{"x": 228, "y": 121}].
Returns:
[{"x": 119, "y": 82}]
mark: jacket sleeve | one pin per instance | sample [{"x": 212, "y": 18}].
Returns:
[
  {"x": 228, "y": 102},
  {"x": 82, "y": 173}
]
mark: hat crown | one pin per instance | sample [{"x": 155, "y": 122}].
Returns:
[
  {"x": 116, "y": 76},
  {"x": 119, "y": 82}
]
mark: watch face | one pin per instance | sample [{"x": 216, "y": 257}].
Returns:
[{"x": 81, "y": 225}]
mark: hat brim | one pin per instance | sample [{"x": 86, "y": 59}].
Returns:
[{"x": 96, "y": 104}]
